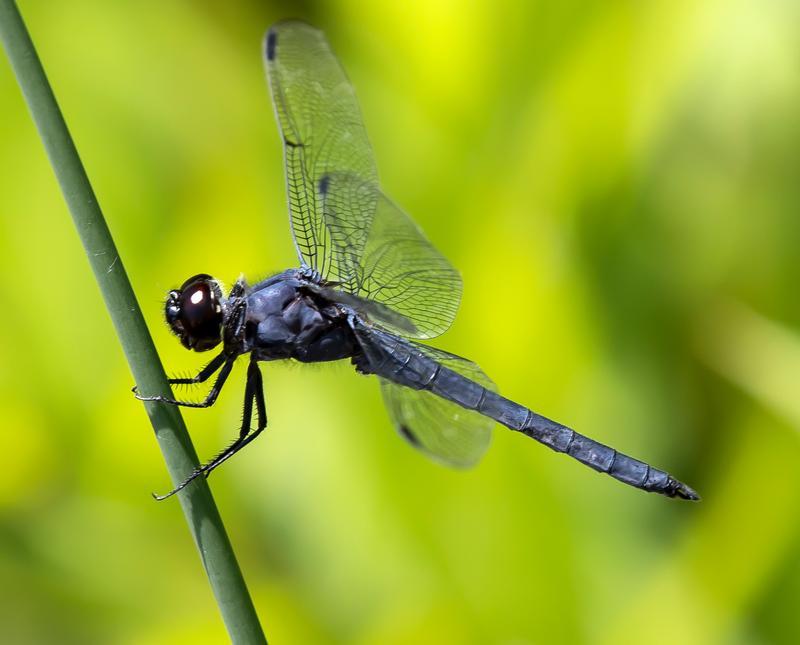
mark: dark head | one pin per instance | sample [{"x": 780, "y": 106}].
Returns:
[{"x": 194, "y": 313}]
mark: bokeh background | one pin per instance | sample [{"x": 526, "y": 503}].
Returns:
[{"x": 618, "y": 183}]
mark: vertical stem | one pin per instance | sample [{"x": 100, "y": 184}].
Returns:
[{"x": 198, "y": 505}]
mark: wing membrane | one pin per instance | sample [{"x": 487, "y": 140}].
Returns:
[
  {"x": 344, "y": 228},
  {"x": 387, "y": 259},
  {"x": 321, "y": 125},
  {"x": 443, "y": 430}
]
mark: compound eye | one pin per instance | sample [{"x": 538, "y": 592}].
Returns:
[
  {"x": 198, "y": 304},
  {"x": 195, "y": 313}
]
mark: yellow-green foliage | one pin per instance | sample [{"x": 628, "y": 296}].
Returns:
[{"x": 618, "y": 183}]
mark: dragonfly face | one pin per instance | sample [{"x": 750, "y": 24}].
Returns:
[
  {"x": 369, "y": 285},
  {"x": 194, "y": 313}
]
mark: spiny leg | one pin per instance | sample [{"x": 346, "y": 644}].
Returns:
[
  {"x": 258, "y": 393},
  {"x": 245, "y": 435},
  {"x": 254, "y": 389},
  {"x": 247, "y": 415},
  {"x": 203, "y": 375},
  {"x": 210, "y": 398},
  {"x": 255, "y": 382}
]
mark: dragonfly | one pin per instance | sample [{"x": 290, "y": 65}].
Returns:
[{"x": 370, "y": 287}]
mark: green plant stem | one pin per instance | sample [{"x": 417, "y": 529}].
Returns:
[{"x": 198, "y": 505}]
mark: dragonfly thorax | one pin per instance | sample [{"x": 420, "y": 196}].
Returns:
[{"x": 287, "y": 318}]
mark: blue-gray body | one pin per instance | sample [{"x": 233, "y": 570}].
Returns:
[
  {"x": 287, "y": 318},
  {"x": 290, "y": 316}
]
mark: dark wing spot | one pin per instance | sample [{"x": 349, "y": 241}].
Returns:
[
  {"x": 272, "y": 39},
  {"x": 410, "y": 436},
  {"x": 324, "y": 182}
]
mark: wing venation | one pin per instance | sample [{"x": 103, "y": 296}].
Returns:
[
  {"x": 345, "y": 229},
  {"x": 444, "y": 431}
]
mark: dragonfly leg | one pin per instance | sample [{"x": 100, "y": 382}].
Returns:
[
  {"x": 202, "y": 376},
  {"x": 258, "y": 394},
  {"x": 212, "y": 395},
  {"x": 253, "y": 390}
]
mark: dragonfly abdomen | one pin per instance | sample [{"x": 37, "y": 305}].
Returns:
[
  {"x": 459, "y": 389},
  {"x": 406, "y": 364}
]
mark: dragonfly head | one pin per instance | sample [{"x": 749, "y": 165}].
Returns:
[{"x": 194, "y": 313}]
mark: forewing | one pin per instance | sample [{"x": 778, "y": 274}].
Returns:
[
  {"x": 322, "y": 130},
  {"x": 444, "y": 431},
  {"x": 390, "y": 262},
  {"x": 343, "y": 226}
]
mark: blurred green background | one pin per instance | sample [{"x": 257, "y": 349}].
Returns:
[{"x": 617, "y": 182}]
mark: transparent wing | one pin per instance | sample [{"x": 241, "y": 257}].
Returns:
[
  {"x": 321, "y": 125},
  {"x": 343, "y": 226},
  {"x": 388, "y": 261},
  {"x": 443, "y": 430}
]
